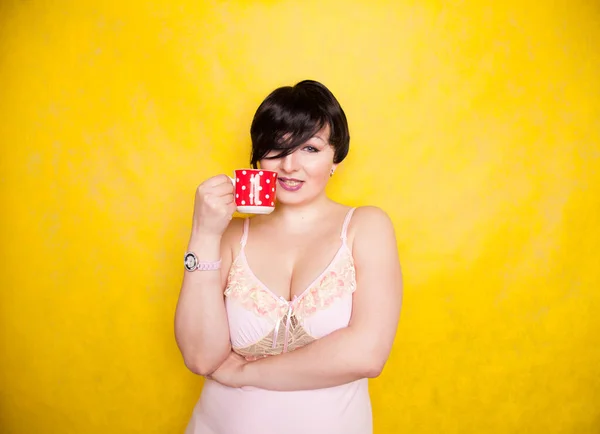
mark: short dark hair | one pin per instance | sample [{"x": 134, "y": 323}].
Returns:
[{"x": 291, "y": 115}]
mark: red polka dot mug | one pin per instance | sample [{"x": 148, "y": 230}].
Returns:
[{"x": 255, "y": 190}]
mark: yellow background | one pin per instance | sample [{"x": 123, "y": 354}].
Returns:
[{"x": 475, "y": 126}]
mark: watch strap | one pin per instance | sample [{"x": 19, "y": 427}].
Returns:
[{"x": 191, "y": 263}]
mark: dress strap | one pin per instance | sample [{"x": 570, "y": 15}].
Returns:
[
  {"x": 346, "y": 223},
  {"x": 245, "y": 233}
]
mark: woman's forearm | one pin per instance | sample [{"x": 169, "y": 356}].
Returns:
[{"x": 339, "y": 358}]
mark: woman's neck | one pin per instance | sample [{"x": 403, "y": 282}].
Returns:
[{"x": 297, "y": 216}]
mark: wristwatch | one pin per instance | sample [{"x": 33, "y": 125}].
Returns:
[{"x": 191, "y": 263}]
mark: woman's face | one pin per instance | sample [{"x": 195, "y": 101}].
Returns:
[{"x": 303, "y": 174}]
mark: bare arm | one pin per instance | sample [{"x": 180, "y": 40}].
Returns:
[
  {"x": 361, "y": 349},
  {"x": 201, "y": 327}
]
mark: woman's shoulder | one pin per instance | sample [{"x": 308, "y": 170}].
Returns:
[
  {"x": 369, "y": 220},
  {"x": 368, "y": 210},
  {"x": 368, "y": 214}
]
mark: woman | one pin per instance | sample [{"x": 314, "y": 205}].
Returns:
[{"x": 328, "y": 324}]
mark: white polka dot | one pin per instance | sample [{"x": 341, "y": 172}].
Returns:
[
  {"x": 258, "y": 202},
  {"x": 273, "y": 189},
  {"x": 272, "y": 204},
  {"x": 243, "y": 202},
  {"x": 237, "y": 179},
  {"x": 237, "y": 195},
  {"x": 243, "y": 172},
  {"x": 259, "y": 188},
  {"x": 267, "y": 196},
  {"x": 260, "y": 173},
  {"x": 251, "y": 195},
  {"x": 268, "y": 181},
  {"x": 243, "y": 187},
  {"x": 274, "y": 175}
]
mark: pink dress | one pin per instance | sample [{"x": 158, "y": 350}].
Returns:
[{"x": 262, "y": 323}]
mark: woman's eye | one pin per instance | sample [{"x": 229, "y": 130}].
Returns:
[{"x": 311, "y": 149}]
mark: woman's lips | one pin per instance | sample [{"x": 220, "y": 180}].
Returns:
[{"x": 290, "y": 184}]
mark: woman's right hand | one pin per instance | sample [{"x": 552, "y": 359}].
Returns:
[{"x": 214, "y": 206}]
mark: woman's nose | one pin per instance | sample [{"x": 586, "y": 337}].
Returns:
[{"x": 289, "y": 163}]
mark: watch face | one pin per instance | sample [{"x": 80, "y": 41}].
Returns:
[{"x": 190, "y": 261}]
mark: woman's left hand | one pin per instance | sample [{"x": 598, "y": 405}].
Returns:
[{"x": 231, "y": 371}]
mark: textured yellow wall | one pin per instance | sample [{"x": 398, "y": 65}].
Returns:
[{"x": 476, "y": 127}]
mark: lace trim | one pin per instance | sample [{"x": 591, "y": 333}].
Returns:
[
  {"x": 332, "y": 285},
  {"x": 296, "y": 337}
]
